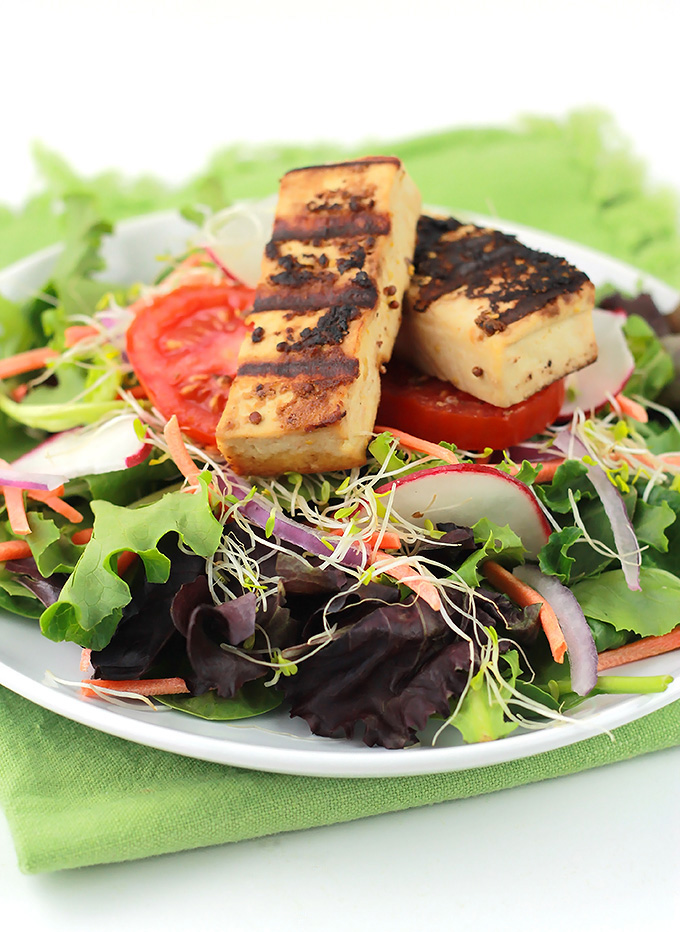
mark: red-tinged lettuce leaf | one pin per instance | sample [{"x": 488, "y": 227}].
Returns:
[
  {"x": 362, "y": 675},
  {"x": 146, "y": 634},
  {"x": 15, "y": 597},
  {"x": 26, "y": 573}
]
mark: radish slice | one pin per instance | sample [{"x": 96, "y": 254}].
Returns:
[
  {"x": 464, "y": 494},
  {"x": 112, "y": 446},
  {"x": 591, "y": 388},
  {"x": 35, "y": 481},
  {"x": 237, "y": 235},
  {"x": 627, "y": 546},
  {"x": 580, "y": 643}
]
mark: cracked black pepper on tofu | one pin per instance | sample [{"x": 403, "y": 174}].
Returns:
[{"x": 327, "y": 310}]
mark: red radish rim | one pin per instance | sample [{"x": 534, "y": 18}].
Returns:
[{"x": 481, "y": 471}]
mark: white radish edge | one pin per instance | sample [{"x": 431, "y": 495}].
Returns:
[
  {"x": 87, "y": 451},
  {"x": 591, "y": 388},
  {"x": 533, "y": 528}
]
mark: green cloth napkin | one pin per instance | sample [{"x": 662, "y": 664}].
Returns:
[{"x": 74, "y": 796}]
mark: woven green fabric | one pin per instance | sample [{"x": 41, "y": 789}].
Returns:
[{"x": 74, "y": 796}]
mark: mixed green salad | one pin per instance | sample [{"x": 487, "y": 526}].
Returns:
[{"x": 434, "y": 588}]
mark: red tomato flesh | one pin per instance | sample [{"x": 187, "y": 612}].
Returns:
[
  {"x": 184, "y": 347},
  {"x": 434, "y": 410}
]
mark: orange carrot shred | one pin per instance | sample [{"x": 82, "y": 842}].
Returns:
[
  {"x": 16, "y": 510},
  {"x": 639, "y": 650},
  {"x": 410, "y": 442},
  {"x": 137, "y": 391},
  {"x": 14, "y": 550},
  {"x": 125, "y": 560},
  {"x": 179, "y": 452},
  {"x": 85, "y": 659},
  {"x": 631, "y": 408},
  {"x": 19, "y": 393},
  {"x": 26, "y": 362},
  {"x": 524, "y": 596},
  {"x": 52, "y": 500},
  {"x": 422, "y": 587},
  {"x": 390, "y": 540},
  {"x": 669, "y": 459},
  {"x": 73, "y": 335},
  {"x": 84, "y": 536},
  {"x": 165, "y": 687}
]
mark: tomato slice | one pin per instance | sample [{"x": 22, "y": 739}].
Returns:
[
  {"x": 435, "y": 410},
  {"x": 184, "y": 346}
]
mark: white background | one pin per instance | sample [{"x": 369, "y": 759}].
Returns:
[{"x": 155, "y": 86}]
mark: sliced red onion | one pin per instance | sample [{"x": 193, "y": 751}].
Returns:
[
  {"x": 30, "y": 480},
  {"x": 289, "y": 530},
  {"x": 580, "y": 643},
  {"x": 626, "y": 542},
  {"x": 535, "y": 454}
]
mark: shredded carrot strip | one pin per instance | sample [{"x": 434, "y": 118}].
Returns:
[
  {"x": 524, "y": 596},
  {"x": 631, "y": 408},
  {"x": 670, "y": 459},
  {"x": 83, "y": 536},
  {"x": 639, "y": 650},
  {"x": 73, "y": 335},
  {"x": 422, "y": 587},
  {"x": 19, "y": 393},
  {"x": 167, "y": 687},
  {"x": 390, "y": 540},
  {"x": 179, "y": 452},
  {"x": 52, "y": 500},
  {"x": 16, "y": 510},
  {"x": 410, "y": 442},
  {"x": 85, "y": 659},
  {"x": 26, "y": 362},
  {"x": 14, "y": 550},
  {"x": 125, "y": 560},
  {"x": 137, "y": 391}
]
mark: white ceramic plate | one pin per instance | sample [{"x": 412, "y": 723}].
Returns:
[{"x": 275, "y": 742}]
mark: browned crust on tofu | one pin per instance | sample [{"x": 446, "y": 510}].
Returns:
[{"x": 491, "y": 266}]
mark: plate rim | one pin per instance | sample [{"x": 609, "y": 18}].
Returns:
[{"x": 347, "y": 760}]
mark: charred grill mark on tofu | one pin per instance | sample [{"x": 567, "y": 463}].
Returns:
[
  {"x": 331, "y": 366},
  {"x": 357, "y": 165},
  {"x": 489, "y": 265},
  {"x": 314, "y": 226},
  {"x": 310, "y": 285},
  {"x": 330, "y": 329}
]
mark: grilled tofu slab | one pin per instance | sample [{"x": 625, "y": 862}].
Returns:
[
  {"x": 491, "y": 316},
  {"x": 325, "y": 318}
]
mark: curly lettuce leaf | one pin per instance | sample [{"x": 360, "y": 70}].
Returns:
[
  {"x": 494, "y": 542},
  {"x": 51, "y": 546},
  {"x": 92, "y": 601}
]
